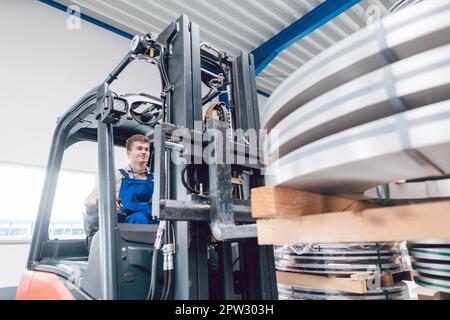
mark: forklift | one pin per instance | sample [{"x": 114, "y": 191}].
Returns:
[{"x": 204, "y": 246}]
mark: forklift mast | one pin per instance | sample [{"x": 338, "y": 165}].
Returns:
[
  {"x": 203, "y": 205},
  {"x": 256, "y": 276}
]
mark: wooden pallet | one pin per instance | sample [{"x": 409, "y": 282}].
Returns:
[
  {"x": 439, "y": 295},
  {"x": 356, "y": 283},
  {"x": 290, "y": 216},
  {"x": 387, "y": 279},
  {"x": 426, "y": 293},
  {"x": 278, "y": 202}
]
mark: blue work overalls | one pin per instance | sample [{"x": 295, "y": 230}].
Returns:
[{"x": 135, "y": 196}]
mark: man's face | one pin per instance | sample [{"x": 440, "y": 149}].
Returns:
[{"x": 139, "y": 153}]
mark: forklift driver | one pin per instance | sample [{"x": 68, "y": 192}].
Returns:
[{"x": 134, "y": 187}]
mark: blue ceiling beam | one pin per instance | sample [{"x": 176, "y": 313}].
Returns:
[{"x": 311, "y": 21}]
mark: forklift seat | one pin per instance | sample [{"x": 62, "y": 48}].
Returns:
[{"x": 141, "y": 233}]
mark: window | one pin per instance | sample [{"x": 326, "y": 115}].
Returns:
[
  {"x": 20, "y": 201},
  {"x": 21, "y": 229},
  {"x": 4, "y": 229},
  {"x": 76, "y": 181}
]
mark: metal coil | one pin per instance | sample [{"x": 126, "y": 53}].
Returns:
[
  {"x": 286, "y": 292},
  {"x": 418, "y": 29},
  {"x": 339, "y": 259},
  {"x": 375, "y": 153},
  {"x": 431, "y": 261},
  {"x": 372, "y": 109}
]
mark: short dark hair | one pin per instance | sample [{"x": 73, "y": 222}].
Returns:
[{"x": 134, "y": 138}]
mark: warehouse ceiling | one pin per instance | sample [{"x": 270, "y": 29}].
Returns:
[{"x": 236, "y": 25}]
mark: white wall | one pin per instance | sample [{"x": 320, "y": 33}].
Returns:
[
  {"x": 45, "y": 68},
  {"x": 14, "y": 258}
]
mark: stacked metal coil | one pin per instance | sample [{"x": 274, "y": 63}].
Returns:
[
  {"x": 412, "y": 191},
  {"x": 296, "y": 293},
  {"x": 340, "y": 260},
  {"x": 402, "y": 4},
  {"x": 431, "y": 261},
  {"x": 372, "y": 109}
]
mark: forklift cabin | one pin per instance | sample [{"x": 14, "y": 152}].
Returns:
[{"x": 205, "y": 245}]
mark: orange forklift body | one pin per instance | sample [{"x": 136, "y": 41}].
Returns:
[{"x": 37, "y": 285}]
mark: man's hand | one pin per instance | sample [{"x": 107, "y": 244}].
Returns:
[{"x": 119, "y": 205}]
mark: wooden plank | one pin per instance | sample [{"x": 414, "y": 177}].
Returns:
[
  {"x": 412, "y": 222},
  {"x": 273, "y": 202},
  {"x": 389, "y": 279},
  {"x": 321, "y": 282},
  {"x": 361, "y": 276},
  {"x": 436, "y": 296}
]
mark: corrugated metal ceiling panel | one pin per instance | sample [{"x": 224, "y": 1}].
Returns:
[{"x": 236, "y": 25}]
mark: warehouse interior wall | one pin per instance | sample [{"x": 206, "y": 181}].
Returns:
[
  {"x": 16, "y": 254},
  {"x": 48, "y": 63}
]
